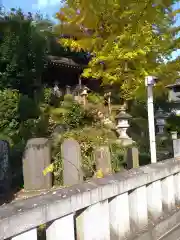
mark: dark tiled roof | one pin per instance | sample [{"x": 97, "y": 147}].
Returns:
[
  {"x": 176, "y": 84},
  {"x": 64, "y": 62}
]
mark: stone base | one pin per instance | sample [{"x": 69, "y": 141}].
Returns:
[{"x": 125, "y": 141}]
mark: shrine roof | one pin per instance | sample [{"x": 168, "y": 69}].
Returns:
[
  {"x": 176, "y": 84},
  {"x": 64, "y": 62}
]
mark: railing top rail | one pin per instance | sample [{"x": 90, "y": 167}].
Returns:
[{"x": 22, "y": 215}]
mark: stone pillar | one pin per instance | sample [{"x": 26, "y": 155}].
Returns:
[
  {"x": 36, "y": 158},
  {"x": 5, "y": 173},
  {"x": 71, "y": 155},
  {"x": 154, "y": 200},
  {"x": 29, "y": 235},
  {"x": 177, "y": 188},
  {"x": 62, "y": 228},
  {"x": 103, "y": 160},
  {"x": 132, "y": 158},
  {"x": 93, "y": 222},
  {"x": 176, "y": 148},
  {"x": 138, "y": 209},
  {"x": 174, "y": 135},
  {"x": 119, "y": 217},
  {"x": 168, "y": 193}
]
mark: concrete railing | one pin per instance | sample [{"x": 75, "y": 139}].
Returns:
[{"x": 128, "y": 204}]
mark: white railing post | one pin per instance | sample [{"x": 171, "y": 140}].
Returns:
[
  {"x": 168, "y": 193},
  {"x": 138, "y": 209},
  {"x": 154, "y": 200},
  {"x": 177, "y": 188},
  {"x": 93, "y": 222},
  {"x": 119, "y": 217},
  {"x": 29, "y": 235},
  {"x": 62, "y": 228}
]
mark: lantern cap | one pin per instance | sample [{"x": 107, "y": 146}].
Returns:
[
  {"x": 122, "y": 114},
  {"x": 81, "y": 88},
  {"x": 84, "y": 90},
  {"x": 160, "y": 114}
]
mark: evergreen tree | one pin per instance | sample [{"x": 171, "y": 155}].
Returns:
[{"x": 22, "y": 52}]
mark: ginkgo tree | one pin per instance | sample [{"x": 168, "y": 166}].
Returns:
[{"x": 127, "y": 39}]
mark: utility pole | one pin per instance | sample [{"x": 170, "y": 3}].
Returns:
[{"x": 150, "y": 81}]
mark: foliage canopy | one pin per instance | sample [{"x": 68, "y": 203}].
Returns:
[{"x": 127, "y": 40}]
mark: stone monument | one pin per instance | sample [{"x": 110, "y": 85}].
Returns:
[
  {"x": 5, "y": 173},
  {"x": 37, "y": 157},
  {"x": 71, "y": 155}
]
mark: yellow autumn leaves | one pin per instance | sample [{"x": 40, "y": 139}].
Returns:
[
  {"x": 116, "y": 32},
  {"x": 50, "y": 168}
]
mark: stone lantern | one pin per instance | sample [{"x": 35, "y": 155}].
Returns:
[
  {"x": 80, "y": 93},
  {"x": 160, "y": 121},
  {"x": 68, "y": 89},
  {"x": 76, "y": 93},
  {"x": 84, "y": 94},
  {"x": 174, "y": 96},
  {"x": 122, "y": 126}
]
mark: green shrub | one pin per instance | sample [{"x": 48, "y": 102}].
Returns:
[
  {"x": 89, "y": 139},
  {"x": 95, "y": 98},
  {"x": 9, "y": 114},
  {"x": 117, "y": 157},
  {"x": 71, "y": 113}
]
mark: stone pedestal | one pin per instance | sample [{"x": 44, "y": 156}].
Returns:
[{"x": 125, "y": 141}]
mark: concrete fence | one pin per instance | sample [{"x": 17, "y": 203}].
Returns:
[{"x": 138, "y": 204}]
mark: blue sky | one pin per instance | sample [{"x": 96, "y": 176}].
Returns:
[
  {"x": 50, "y": 7},
  {"x": 177, "y": 6}
]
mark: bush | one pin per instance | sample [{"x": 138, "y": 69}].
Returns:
[
  {"x": 71, "y": 113},
  {"x": 95, "y": 98},
  {"x": 117, "y": 157},
  {"x": 89, "y": 139},
  {"x": 20, "y": 119},
  {"x": 9, "y": 115}
]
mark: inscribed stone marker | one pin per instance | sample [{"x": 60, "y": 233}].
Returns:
[
  {"x": 103, "y": 159},
  {"x": 132, "y": 158},
  {"x": 36, "y": 158},
  {"x": 5, "y": 176},
  {"x": 71, "y": 155}
]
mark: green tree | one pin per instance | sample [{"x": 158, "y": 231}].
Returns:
[
  {"x": 23, "y": 49},
  {"x": 127, "y": 41},
  {"x": 22, "y": 52}
]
